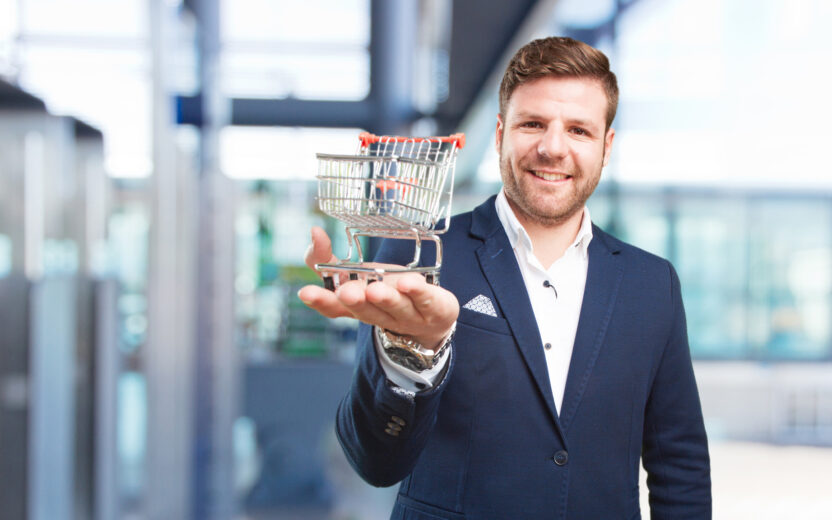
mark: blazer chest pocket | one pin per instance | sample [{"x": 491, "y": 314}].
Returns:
[{"x": 479, "y": 320}]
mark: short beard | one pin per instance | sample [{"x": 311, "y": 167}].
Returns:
[{"x": 520, "y": 203}]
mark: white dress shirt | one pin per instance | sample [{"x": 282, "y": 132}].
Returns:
[{"x": 556, "y": 308}]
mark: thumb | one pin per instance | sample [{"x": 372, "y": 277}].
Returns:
[{"x": 320, "y": 250}]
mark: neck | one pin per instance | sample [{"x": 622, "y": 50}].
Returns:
[{"x": 550, "y": 239}]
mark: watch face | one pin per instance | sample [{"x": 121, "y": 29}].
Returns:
[{"x": 406, "y": 358}]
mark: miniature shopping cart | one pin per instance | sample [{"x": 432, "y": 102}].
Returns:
[{"x": 394, "y": 187}]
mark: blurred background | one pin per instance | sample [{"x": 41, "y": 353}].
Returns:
[{"x": 157, "y": 163}]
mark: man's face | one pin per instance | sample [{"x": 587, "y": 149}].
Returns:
[{"x": 552, "y": 147}]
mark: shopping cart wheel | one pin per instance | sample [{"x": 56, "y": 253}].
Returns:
[
  {"x": 432, "y": 278},
  {"x": 353, "y": 276},
  {"x": 329, "y": 283}
]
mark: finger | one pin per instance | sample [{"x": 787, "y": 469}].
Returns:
[
  {"x": 320, "y": 250},
  {"x": 435, "y": 309},
  {"x": 415, "y": 288},
  {"x": 353, "y": 296},
  {"x": 435, "y": 304},
  {"x": 387, "y": 297},
  {"x": 323, "y": 301},
  {"x": 427, "y": 328}
]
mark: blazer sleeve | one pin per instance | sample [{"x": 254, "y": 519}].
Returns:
[
  {"x": 381, "y": 427},
  {"x": 675, "y": 450}
]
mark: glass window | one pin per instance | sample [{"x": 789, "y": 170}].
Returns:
[
  {"x": 639, "y": 218},
  {"x": 705, "y": 97},
  {"x": 756, "y": 270},
  {"x": 288, "y": 460},
  {"x": 131, "y": 428},
  {"x": 280, "y": 153},
  {"x": 278, "y": 49},
  {"x": 5, "y": 255},
  {"x": 96, "y": 68},
  {"x": 123, "y": 20},
  {"x": 302, "y": 73},
  {"x": 8, "y": 32},
  {"x": 790, "y": 278},
  {"x": 272, "y": 230},
  {"x": 94, "y": 84},
  {"x": 710, "y": 255}
]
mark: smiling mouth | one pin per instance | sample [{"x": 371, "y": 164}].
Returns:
[{"x": 550, "y": 176}]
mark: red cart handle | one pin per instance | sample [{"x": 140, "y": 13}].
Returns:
[{"x": 368, "y": 138}]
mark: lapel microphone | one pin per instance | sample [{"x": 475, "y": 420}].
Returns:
[{"x": 549, "y": 285}]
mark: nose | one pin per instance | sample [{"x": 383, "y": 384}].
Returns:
[{"x": 552, "y": 143}]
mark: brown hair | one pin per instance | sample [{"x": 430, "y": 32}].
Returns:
[{"x": 560, "y": 57}]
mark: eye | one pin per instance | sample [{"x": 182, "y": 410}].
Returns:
[
  {"x": 579, "y": 131},
  {"x": 531, "y": 124}
]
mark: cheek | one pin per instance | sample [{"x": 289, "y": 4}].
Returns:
[
  {"x": 591, "y": 155},
  {"x": 522, "y": 149}
]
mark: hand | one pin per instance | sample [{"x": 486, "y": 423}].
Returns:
[{"x": 404, "y": 303}]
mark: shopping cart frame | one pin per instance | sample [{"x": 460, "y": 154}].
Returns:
[{"x": 421, "y": 204}]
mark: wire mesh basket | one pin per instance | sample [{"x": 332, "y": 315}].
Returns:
[{"x": 394, "y": 187}]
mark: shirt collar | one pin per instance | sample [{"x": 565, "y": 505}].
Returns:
[{"x": 518, "y": 237}]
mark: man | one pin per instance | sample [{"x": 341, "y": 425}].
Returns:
[{"x": 570, "y": 361}]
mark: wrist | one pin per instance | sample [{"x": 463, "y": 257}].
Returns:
[
  {"x": 409, "y": 352},
  {"x": 434, "y": 342}
]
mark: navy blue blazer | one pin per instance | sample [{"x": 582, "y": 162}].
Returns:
[{"x": 487, "y": 443}]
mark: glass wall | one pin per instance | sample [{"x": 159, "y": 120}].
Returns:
[
  {"x": 129, "y": 228},
  {"x": 267, "y": 53},
  {"x": 789, "y": 278},
  {"x": 5, "y": 255},
  {"x": 296, "y": 365},
  {"x": 755, "y": 268},
  {"x": 272, "y": 229},
  {"x": 717, "y": 93},
  {"x": 710, "y": 250}
]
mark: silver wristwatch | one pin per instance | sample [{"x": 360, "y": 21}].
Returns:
[{"x": 405, "y": 351}]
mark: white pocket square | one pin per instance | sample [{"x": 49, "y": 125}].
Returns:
[{"x": 481, "y": 304}]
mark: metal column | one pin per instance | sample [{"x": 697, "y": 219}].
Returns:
[
  {"x": 216, "y": 359},
  {"x": 168, "y": 356},
  {"x": 37, "y": 345},
  {"x": 392, "y": 46}
]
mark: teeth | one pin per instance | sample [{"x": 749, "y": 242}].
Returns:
[{"x": 550, "y": 176}]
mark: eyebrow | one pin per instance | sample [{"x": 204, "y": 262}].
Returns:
[
  {"x": 527, "y": 115},
  {"x": 579, "y": 121}
]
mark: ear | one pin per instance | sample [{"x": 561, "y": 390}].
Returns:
[
  {"x": 608, "y": 145},
  {"x": 499, "y": 135}
]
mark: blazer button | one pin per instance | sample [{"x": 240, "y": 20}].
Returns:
[{"x": 561, "y": 458}]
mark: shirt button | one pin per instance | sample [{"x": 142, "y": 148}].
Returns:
[
  {"x": 394, "y": 433},
  {"x": 561, "y": 458},
  {"x": 547, "y": 346},
  {"x": 397, "y": 420}
]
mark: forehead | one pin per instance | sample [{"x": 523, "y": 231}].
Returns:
[{"x": 548, "y": 96}]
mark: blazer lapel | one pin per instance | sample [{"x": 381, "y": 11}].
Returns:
[
  {"x": 602, "y": 281},
  {"x": 499, "y": 264}
]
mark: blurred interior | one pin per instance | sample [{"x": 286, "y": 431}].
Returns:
[{"x": 157, "y": 186}]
